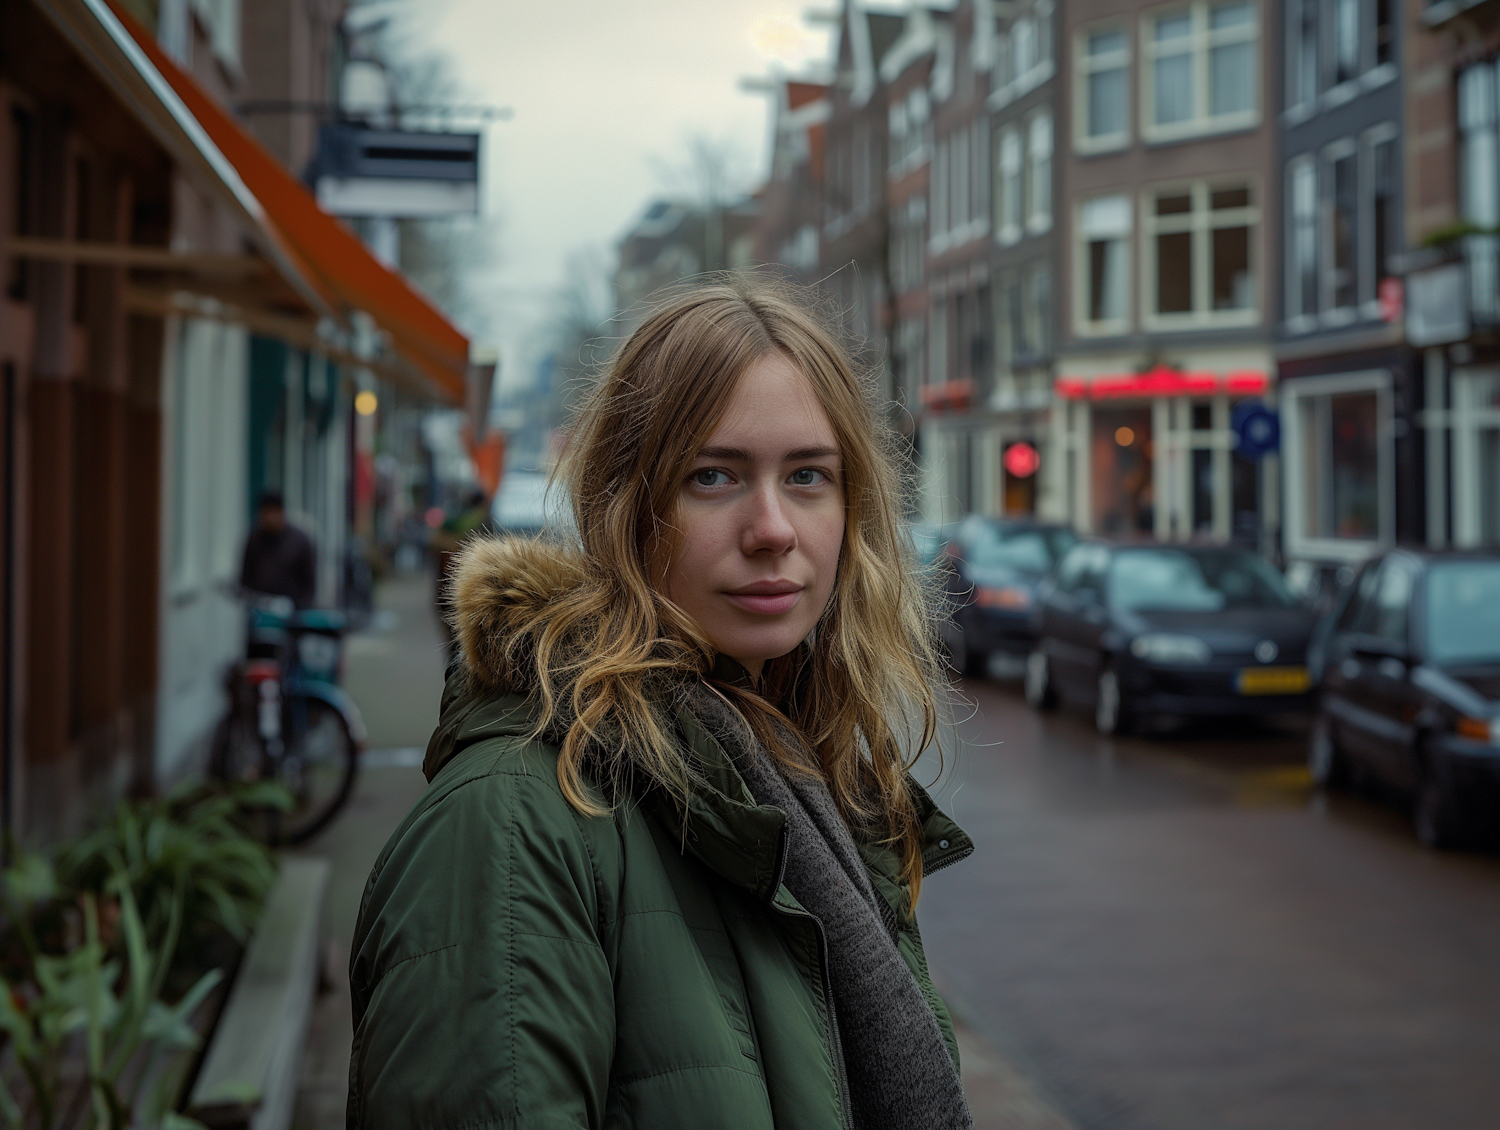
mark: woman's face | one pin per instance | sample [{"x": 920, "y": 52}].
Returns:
[{"x": 761, "y": 518}]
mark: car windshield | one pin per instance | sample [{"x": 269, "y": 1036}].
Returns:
[
  {"x": 1194, "y": 580},
  {"x": 1463, "y": 612},
  {"x": 1026, "y": 550}
]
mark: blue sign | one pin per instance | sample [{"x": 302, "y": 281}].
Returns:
[{"x": 1257, "y": 429}]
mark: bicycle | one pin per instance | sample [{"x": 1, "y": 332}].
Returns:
[{"x": 288, "y": 720}]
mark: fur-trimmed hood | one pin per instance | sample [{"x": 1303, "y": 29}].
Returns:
[{"x": 498, "y": 585}]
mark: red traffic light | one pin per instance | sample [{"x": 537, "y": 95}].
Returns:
[{"x": 1021, "y": 460}]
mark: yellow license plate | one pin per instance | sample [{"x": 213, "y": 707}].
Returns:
[{"x": 1273, "y": 680}]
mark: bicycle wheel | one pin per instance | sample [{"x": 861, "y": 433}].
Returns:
[{"x": 317, "y": 768}]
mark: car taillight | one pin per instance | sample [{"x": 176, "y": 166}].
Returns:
[
  {"x": 1007, "y": 597},
  {"x": 1478, "y": 729}
]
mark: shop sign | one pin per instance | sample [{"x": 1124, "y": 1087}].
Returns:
[
  {"x": 1160, "y": 382},
  {"x": 1256, "y": 428},
  {"x": 1437, "y": 307},
  {"x": 948, "y": 396}
]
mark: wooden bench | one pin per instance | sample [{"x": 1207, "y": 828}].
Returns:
[{"x": 251, "y": 1069}]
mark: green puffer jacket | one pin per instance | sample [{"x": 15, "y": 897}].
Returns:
[{"x": 519, "y": 965}]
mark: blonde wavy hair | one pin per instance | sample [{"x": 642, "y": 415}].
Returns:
[{"x": 606, "y": 658}]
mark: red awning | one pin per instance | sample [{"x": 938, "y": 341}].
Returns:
[
  {"x": 330, "y": 256},
  {"x": 1160, "y": 382}
]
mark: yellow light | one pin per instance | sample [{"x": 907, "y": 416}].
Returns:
[
  {"x": 1124, "y": 437},
  {"x": 366, "y": 403}
]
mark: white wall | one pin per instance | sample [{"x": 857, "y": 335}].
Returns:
[{"x": 205, "y": 430}]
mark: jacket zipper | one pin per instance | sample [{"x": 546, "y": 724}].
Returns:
[
  {"x": 846, "y": 1114},
  {"x": 948, "y": 861}
]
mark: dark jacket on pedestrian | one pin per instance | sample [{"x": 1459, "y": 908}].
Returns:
[
  {"x": 518, "y": 964},
  {"x": 280, "y": 562}
]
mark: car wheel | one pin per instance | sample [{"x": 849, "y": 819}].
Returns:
[
  {"x": 1040, "y": 693},
  {"x": 1437, "y": 816},
  {"x": 1325, "y": 761},
  {"x": 1110, "y": 714}
]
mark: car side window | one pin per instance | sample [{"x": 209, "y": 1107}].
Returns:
[
  {"x": 1071, "y": 568},
  {"x": 1391, "y": 608},
  {"x": 1361, "y": 600},
  {"x": 1096, "y": 565}
]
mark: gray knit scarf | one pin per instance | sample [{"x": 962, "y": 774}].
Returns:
[{"x": 901, "y": 1076}]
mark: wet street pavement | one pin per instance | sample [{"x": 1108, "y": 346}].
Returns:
[{"x": 1173, "y": 931}]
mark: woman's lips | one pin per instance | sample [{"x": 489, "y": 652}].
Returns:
[{"x": 766, "y": 603}]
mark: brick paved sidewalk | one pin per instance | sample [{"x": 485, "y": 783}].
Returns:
[{"x": 395, "y": 673}]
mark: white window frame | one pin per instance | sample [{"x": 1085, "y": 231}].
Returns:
[
  {"x": 1201, "y": 43},
  {"x": 1471, "y": 417},
  {"x": 1083, "y": 326},
  {"x": 1010, "y": 81},
  {"x": 1085, "y": 67},
  {"x": 1201, "y": 221},
  {"x": 1300, "y": 103},
  {"x": 1010, "y": 159},
  {"x": 1292, "y": 395},
  {"x": 1039, "y": 149},
  {"x": 1369, "y": 270},
  {"x": 1296, "y": 320},
  {"x": 1331, "y": 313}
]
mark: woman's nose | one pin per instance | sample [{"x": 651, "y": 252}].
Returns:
[{"x": 769, "y": 526}]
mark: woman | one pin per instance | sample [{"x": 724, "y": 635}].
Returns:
[{"x": 665, "y": 871}]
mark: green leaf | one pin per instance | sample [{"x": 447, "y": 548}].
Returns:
[{"x": 30, "y": 880}]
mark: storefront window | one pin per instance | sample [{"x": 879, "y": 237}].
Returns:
[
  {"x": 1342, "y": 486},
  {"x": 1476, "y": 458},
  {"x": 1120, "y": 454}
]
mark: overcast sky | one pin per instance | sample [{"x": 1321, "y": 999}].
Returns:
[{"x": 605, "y": 95}]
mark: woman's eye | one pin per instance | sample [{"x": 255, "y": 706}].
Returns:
[
  {"x": 807, "y": 477},
  {"x": 708, "y": 477}
]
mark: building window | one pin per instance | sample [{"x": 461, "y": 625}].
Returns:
[
  {"x": 1104, "y": 235},
  {"x": 1199, "y": 253},
  {"x": 1039, "y": 153},
  {"x": 979, "y": 167},
  {"x": 1478, "y": 193},
  {"x": 1302, "y": 52},
  {"x": 1009, "y": 229},
  {"x": 1381, "y": 209},
  {"x": 1337, "y": 451},
  {"x": 1103, "y": 67},
  {"x": 1201, "y": 72},
  {"x": 958, "y": 181},
  {"x": 1023, "y": 56},
  {"x": 1039, "y": 308},
  {"x": 1302, "y": 254},
  {"x": 911, "y": 131},
  {"x": 1345, "y": 47},
  {"x": 939, "y": 188},
  {"x": 909, "y": 244},
  {"x": 1342, "y": 283},
  {"x": 1385, "y": 33}
]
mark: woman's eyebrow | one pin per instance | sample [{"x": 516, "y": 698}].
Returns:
[{"x": 740, "y": 455}]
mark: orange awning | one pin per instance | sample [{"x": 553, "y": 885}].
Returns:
[{"x": 331, "y": 257}]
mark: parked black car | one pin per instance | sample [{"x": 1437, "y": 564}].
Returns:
[
  {"x": 1410, "y": 692},
  {"x": 994, "y": 567},
  {"x": 1135, "y": 630}
]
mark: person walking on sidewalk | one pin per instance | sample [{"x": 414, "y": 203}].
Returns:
[
  {"x": 279, "y": 558},
  {"x": 666, "y": 870}
]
